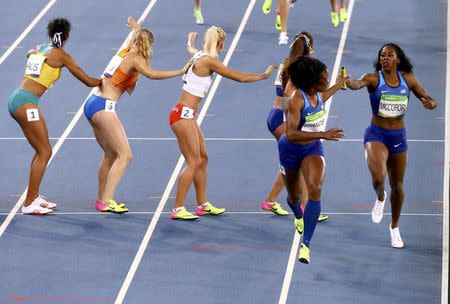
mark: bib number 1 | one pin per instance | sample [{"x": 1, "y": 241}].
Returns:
[{"x": 32, "y": 114}]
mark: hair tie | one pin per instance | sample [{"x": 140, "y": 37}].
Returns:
[
  {"x": 307, "y": 41},
  {"x": 57, "y": 39}
]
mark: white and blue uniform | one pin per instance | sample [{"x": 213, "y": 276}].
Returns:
[
  {"x": 276, "y": 116},
  {"x": 312, "y": 119},
  {"x": 390, "y": 103}
]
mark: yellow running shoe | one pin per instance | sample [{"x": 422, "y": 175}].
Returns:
[
  {"x": 278, "y": 22},
  {"x": 334, "y": 19},
  {"x": 208, "y": 208},
  {"x": 322, "y": 218},
  {"x": 114, "y": 207},
  {"x": 304, "y": 255},
  {"x": 182, "y": 214},
  {"x": 343, "y": 14},
  {"x": 299, "y": 225},
  {"x": 267, "y": 6},
  {"x": 275, "y": 208}
]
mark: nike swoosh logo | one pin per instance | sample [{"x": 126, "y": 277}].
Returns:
[
  {"x": 395, "y": 146},
  {"x": 382, "y": 92}
]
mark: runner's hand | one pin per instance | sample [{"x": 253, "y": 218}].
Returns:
[{"x": 333, "y": 134}]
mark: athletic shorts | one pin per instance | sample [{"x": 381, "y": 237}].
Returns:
[
  {"x": 292, "y": 154},
  {"x": 394, "y": 140},
  {"x": 20, "y": 97},
  {"x": 275, "y": 119},
  {"x": 180, "y": 111},
  {"x": 96, "y": 103}
]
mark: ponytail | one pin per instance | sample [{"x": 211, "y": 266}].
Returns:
[{"x": 213, "y": 37}]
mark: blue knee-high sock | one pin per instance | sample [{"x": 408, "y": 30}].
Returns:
[
  {"x": 312, "y": 212},
  {"x": 295, "y": 207}
]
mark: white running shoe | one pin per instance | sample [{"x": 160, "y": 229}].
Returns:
[
  {"x": 283, "y": 38},
  {"x": 378, "y": 210},
  {"x": 292, "y": 3},
  {"x": 396, "y": 239},
  {"x": 42, "y": 201},
  {"x": 35, "y": 210}
]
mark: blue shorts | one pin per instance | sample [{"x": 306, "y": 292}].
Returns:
[
  {"x": 96, "y": 103},
  {"x": 275, "y": 119},
  {"x": 279, "y": 91},
  {"x": 394, "y": 140},
  {"x": 20, "y": 97},
  {"x": 292, "y": 154}
]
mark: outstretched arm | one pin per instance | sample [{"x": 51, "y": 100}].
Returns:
[
  {"x": 143, "y": 68},
  {"x": 367, "y": 80},
  {"x": 76, "y": 71},
  {"x": 415, "y": 86},
  {"x": 332, "y": 90},
  {"x": 190, "y": 47},
  {"x": 218, "y": 67}
]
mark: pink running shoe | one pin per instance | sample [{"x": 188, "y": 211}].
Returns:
[
  {"x": 274, "y": 207},
  {"x": 101, "y": 206}
]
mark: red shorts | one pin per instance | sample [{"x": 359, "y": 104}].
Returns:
[{"x": 180, "y": 111}]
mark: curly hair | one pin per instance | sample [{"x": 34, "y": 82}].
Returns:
[
  {"x": 305, "y": 72},
  {"x": 58, "y": 30}
]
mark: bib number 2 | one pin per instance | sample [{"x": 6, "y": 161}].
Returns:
[{"x": 187, "y": 113}]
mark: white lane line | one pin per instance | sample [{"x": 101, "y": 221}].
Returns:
[
  {"x": 295, "y": 243},
  {"x": 446, "y": 194},
  {"x": 140, "y": 253},
  {"x": 265, "y": 213},
  {"x": 26, "y": 31},
  {"x": 218, "y": 139},
  {"x": 65, "y": 134}
]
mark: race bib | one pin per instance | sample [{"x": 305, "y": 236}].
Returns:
[
  {"x": 34, "y": 65},
  {"x": 315, "y": 122},
  {"x": 392, "y": 106},
  {"x": 32, "y": 114},
  {"x": 112, "y": 66},
  {"x": 187, "y": 113},
  {"x": 110, "y": 106}
]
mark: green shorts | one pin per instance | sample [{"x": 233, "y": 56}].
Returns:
[{"x": 20, "y": 97}]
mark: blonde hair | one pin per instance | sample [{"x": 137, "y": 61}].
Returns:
[
  {"x": 142, "y": 41},
  {"x": 213, "y": 37}
]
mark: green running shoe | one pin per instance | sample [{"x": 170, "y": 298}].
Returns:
[
  {"x": 114, "y": 207},
  {"x": 209, "y": 209},
  {"x": 334, "y": 19},
  {"x": 299, "y": 225},
  {"x": 198, "y": 17},
  {"x": 322, "y": 218},
  {"x": 343, "y": 14},
  {"x": 267, "y": 6},
  {"x": 304, "y": 255},
  {"x": 182, "y": 214},
  {"x": 278, "y": 22}
]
